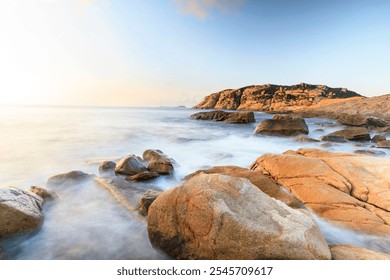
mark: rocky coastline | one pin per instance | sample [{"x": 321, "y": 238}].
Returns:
[{"x": 268, "y": 210}]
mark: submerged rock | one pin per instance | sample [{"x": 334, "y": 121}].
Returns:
[
  {"x": 285, "y": 126},
  {"x": 107, "y": 166},
  {"x": 20, "y": 212},
  {"x": 69, "y": 178},
  {"x": 143, "y": 176},
  {"x": 352, "y": 252},
  {"x": 348, "y": 189},
  {"x": 214, "y": 216},
  {"x": 222, "y": 116},
  {"x": 334, "y": 138},
  {"x": 378, "y": 138},
  {"x": 158, "y": 162},
  {"x": 45, "y": 194},
  {"x": 130, "y": 165},
  {"x": 353, "y": 134},
  {"x": 370, "y": 152},
  {"x": 384, "y": 144},
  {"x": 145, "y": 201}
]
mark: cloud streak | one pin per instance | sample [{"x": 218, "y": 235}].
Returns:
[{"x": 202, "y": 8}]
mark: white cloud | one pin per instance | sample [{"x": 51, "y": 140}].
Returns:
[{"x": 202, "y": 8}]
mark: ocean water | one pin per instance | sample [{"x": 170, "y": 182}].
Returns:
[{"x": 87, "y": 223}]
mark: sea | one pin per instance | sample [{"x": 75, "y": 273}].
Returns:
[{"x": 86, "y": 222}]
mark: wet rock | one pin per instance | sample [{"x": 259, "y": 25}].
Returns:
[
  {"x": 130, "y": 165},
  {"x": 214, "y": 216},
  {"x": 68, "y": 178},
  {"x": 304, "y": 139},
  {"x": 370, "y": 152},
  {"x": 143, "y": 176},
  {"x": 334, "y": 138},
  {"x": 347, "y": 189},
  {"x": 222, "y": 116},
  {"x": 45, "y": 194},
  {"x": 107, "y": 166},
  {"x": 20, "y": 212},
  {"x": 284, "y": 126},
  {"x": 378, "y": 138},
  {"x": 353, "y": 134},
  {"x": 352, "y": 252},
  {"x": 353, "y": 119},
  {"x": 158, "y": 162},
  {"x": 376, "y": 122},
  {"x": 264, "y": 183},
  {"x": 145, "y": 201},
  {"x": 383, "y": 144}
]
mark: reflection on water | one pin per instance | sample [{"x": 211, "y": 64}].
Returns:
[{"x": 38, "y": 142}]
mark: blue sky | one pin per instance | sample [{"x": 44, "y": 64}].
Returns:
[{"x": 174, "y": 52}]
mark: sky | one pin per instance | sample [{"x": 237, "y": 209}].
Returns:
[{"x": 175, "y": 52}]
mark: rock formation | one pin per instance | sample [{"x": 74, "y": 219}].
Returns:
[
  {"x": 271, "y": 98},
  {"x": 283, "y": 126},
  {"x": 229, "y": 117},
  {"x": 348, "y": 189},
  {"x": 213, "y": 216}
]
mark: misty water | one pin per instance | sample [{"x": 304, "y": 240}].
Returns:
[{"x": 86, "y": 222}]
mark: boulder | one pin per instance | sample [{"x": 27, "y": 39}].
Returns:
[
  {"x": 334, "y": 138},
  {"x": 304, "y": 139},
  {"x": 353, "y": 134},
  {"x": 370, "y": 152},
  {"x": 158, "y": 162},
  {"x": 376, "y": 122},
  {"x": 45, "y": 194},
  {"x": 264, "y": 183},
  {"x": 378, "y": 138},
  {"x": 130, "y": 165},
  {"x": 348, "y": 189},
  {"x": 282, "y": 126},
  {"x": 69, "y": 177},
  {"x": 20, "y": 212},
  {"x": 383, "y": 144},
  {"x": 145, "y": 201},
  {"x": 222, "y": 116},
  {"x": 107, "y": 166},
  {"x": 352, "y": 252},
  {"x": 143, "y": 176},
  {"x": 352, "y": 119},
  {"x": 214, "y": 216}
]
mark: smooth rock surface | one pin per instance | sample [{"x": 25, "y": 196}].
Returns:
[
  {"x": 348, "y": 189},
  {"x": 20, "y": 212},
  {"x": 352, "y": 252},
  {"x": 158, "y": 162},
  {"x": 130, "y": 165},
  {"x": 214, "y": 216},
  {"x": 282, "y": 126}
]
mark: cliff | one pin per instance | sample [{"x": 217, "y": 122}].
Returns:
[{"x": 274, "y": 98}]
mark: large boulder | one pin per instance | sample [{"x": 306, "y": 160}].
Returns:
[
  {"x": 352, "y": 252},
  {"x": 214, "y": 216},
  {"x": 20, "y": 212},
  {"x": 222, "y": 116},
  {"x": 130, "y": 165},
  {"x": 285, "y": 126},
  {"x": 353, "y": 134},
  {"x": 264, "y": 183},
  {"x": 348, "y": 189},
  {"x": 158, "y": 162}
]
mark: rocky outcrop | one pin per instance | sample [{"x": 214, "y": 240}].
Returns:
[
  {"x": 158, "y": 162},
  {"x": 258, "y": 179},
  {"x": 348, "y": 189},
  {"x": 353, "y": 134},
  {"x": 20, "y": 212},
  {"x": 214, "y": 216},
  {"x": 352, "y": 252},
  {"x": 271, "y": 98},
  {"x": 282, "y": 125},
  {"x": 130, "y": 165},
  {"x": 222, "y": 116}
]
